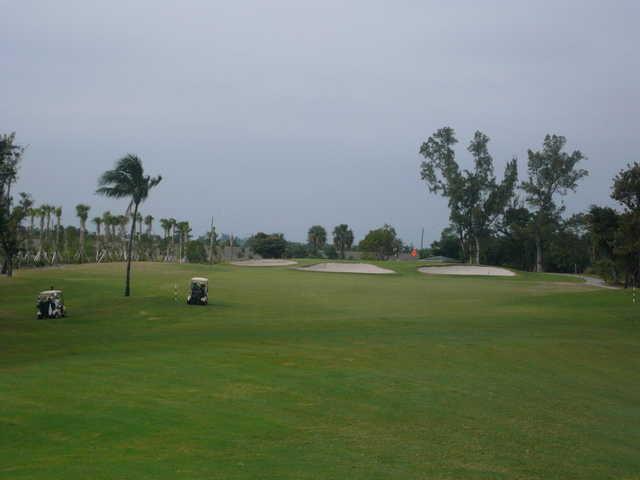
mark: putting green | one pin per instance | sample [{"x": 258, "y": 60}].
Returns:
[{"x": 289, "y": 375}]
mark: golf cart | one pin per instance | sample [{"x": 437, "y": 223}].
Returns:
[
  {"x": 199, "y": 291},
  {"x": 50, "y": 304}
]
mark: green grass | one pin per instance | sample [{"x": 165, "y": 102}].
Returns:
[{"x": 299, "y": 375}]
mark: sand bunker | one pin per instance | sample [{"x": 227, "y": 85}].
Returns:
[
  {"x": 468, "y": 270},
  {"x": 347, "y": 268},
  {"x": 264, "y": 263}
]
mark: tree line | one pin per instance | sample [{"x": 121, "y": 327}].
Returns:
[{"x": 523, "y": 223}]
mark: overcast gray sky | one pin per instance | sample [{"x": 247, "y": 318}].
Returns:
[{"x": 278, "y": 115}]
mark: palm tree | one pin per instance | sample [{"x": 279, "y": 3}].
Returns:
[
  {"x": 183, "y": 231},
  {"x": 41, "y": 213},
  {"x": 317, "y": 237},
  {"x": 98, "y": 221},
  {"x": 107, "y": 220},
  {"x": 48, "y": 210},
  {"x": 165, "y": 224},
  {"x": 58, "y": 213},
  {"x": 148, "y": 221},
  {"x": 82, "y": 211},
  {"x": 172, "y": 234},
  {"x": 33, "y": 213},
  {"x": 127, "y": 180},
  {"x": 138, "y": 220},
  {"x": 342, "y": 238}
]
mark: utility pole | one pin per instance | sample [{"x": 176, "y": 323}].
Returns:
[{"x": 422, "y": 240}]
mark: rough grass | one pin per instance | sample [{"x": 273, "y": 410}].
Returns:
[{"x": 288, "y": 374}]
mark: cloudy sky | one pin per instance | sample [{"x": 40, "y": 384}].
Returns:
[{"x": 282, "y": 114}]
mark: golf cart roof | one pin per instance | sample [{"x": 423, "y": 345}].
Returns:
[
  {"x": 51, "y": 292},
  {"x": 199, "y": 280}
]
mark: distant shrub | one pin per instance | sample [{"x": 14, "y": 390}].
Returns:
[{"x": 331, "y": 252}]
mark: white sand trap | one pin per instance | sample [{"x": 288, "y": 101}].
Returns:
[
  {"x": 347, "y": 268},
  {"x": 264, "y": 263},
  {"x": 468, "y": 270}
]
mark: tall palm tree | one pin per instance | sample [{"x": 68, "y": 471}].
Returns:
[
  {"x": 127, "y": 180},
  {"x": 57, "y": 211},
  {"x": 342, "y": 238},
  {"x": 165, "y": 224},
  {"x": 33, "y": 213},
  {"x": 48, "y": 210},
  {"x": 183, "y": 232},
  {"x": 148, "y": 221},
  {"x": 107, "y": 221},
  {"x": 317, "y": 237},
  {"x": 98, "y": 221},
  {"x": 42, "y": 214},
  {"x": 82, "y": 211},
  {"x": 172, "y": 234}
]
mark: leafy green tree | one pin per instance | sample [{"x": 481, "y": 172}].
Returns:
[
  {"x": 551, "y": 172},
  {"x": 602, "y": 223},
  {"x": 382, "y": 242},
  {"x": 317, "y": 238},
  {"x": 127, "y": 180},
  {"x": 447, "y": 246},
  {"x": 11, "y": 232},
  {"x": 196, "y": 251},
  {"x": 10, "y": 217},
  {"x": 82, "y": 211},
  {"x": 268, "y": 245},
  {"x": 626, "y": 190},
  {"x": 476, "y": 199},
  {"x": 342, "y": 238},
  {"x": 330, "y": 252},
  {"x": 296, "y": 250}
]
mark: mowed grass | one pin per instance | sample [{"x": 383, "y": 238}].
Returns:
[{"x": 300, "y": 375}]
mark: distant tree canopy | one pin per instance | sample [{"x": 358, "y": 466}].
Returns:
[
  {"x": 296, "y": 250},
  {"x": 551, "y": 172},
  {"x": 11, "y": 216},
  {"x": 382, "y": 242},
  {"x": 271, "y": 245},
  {"x": 342, "y": 238},
  {"x": 196, "y": 251},
  {"x": 476, "y": 199},
  {"x": 317, "y": 238},
  {"x": 448, "y": 245}
]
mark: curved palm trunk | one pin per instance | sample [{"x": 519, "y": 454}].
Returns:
[{"x": 127, "y": 287}]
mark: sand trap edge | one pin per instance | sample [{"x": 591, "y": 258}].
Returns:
[
  {"x": 467, "y": 271},
  {"x": 344, "y": 268},
  {"x": 264, "y": 263}
]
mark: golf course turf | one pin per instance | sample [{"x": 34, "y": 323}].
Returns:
[{"x": 297, "y": 375}]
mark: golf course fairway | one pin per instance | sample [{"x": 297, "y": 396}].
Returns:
[{"x": 297, "y": 375}]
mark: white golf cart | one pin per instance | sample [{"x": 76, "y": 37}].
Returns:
[
  {"x": 199, "y": 293},
  {"x": 50, "y": 304}
]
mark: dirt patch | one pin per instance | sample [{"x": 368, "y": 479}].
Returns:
[
  {"x": 347, "y": 268},
  {"x": 468, "y": 270}
]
